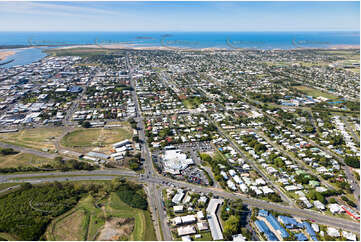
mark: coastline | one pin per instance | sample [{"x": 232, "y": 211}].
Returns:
[
  {"x": 155, "y": 47},
  {"x": 5, "y": 54}
]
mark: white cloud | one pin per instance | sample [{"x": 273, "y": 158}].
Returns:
[{"x": 57, "y": 9}]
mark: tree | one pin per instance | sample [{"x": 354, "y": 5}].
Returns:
[
  {"x": 353, "y": 161},
  {"x": 86, "y": 124},
  {"x": 134, "y": 164},
  {"x": 231, "y": 226},
  {"x": 274, "y": 197},
  {"x": 26, "y": 186},
  {"x": 260, "y": 147},
  {"x": 136, "y": 138},
  {"x": 320, "y": 198},
  {"x": 8, "y": 151},
  {"x": 59, "y": 160}
]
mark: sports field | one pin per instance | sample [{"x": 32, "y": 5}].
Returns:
[
  {"x": 22, "y": 159},
  {"x": 38, "y": 138},
  {"x": 88, "y": 139},
  {"x": 315, "y": 92}
]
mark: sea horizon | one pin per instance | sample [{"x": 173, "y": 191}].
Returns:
[{"x": 190, "y": 39}]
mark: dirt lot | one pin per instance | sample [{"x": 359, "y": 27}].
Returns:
[
  {"x": 70, "y": 227},
  {"x": 116, "y": 229}
]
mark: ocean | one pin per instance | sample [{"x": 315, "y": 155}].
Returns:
[
  {"x": 196, "y": 40},
  {"x": 191, "y": 40}
]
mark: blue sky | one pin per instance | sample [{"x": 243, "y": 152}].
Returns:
[{"x": 179, "y": 16}]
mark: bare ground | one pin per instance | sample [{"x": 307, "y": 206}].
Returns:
[{"x": 116, "y": 228}]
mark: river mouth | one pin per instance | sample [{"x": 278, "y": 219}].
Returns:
[{"x": 22, "y": 56}]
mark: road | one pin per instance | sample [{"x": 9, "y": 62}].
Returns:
[
  {"x": 198, "y": 162},
  {"x": 28, "y": 150},
  {"x": 252, "y": 202},
  {"x": 295, "y": 159},
  {"x": 254, "y": 166},
  {"x": 349, "y": 128},
  {"x": 156, "y": 182},
  {"x": 154, "y": 201},
  {"x": 348, "y": 173}
]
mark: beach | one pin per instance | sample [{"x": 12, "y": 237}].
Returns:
[{"x": 6, "y": 54}]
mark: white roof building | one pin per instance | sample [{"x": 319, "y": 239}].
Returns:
[
  {"x": 213, "y": 220},
  {"x": 238, "y": 238},
  {"x": 333, "y": 232},
  {"x": 315, "y": 227},
  {"x": 186, "y": 238},
  {"x": 319, "y": 205},
  {"x": 175, "y": 160},
  {"x": 202, "y": 226},
  {"x": 178, "y": 197},
  {"x": 335, "y": 208},
  {"x": 178, "y": 209},
  {"x": 186, "y": 230},
  {"x": 188, "y": 219},
  {"x": 349, "y": 235},
  {"x": 203, "y": 199},
  {"x": 200, "y": 215}
]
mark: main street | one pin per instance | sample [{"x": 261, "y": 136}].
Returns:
[{"x": 154, "y": 194}]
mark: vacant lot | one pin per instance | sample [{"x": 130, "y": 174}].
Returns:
[
  {"x": 192, "y": 102},
  {"x": 22, "y": 159},
  {"x": 143, "y": 229},
  {"x": 88, "y": 139},
  {"x": 7, "y": 237},
  {"x": 37, "y": 138},
  {"x": 81, "y": 51},
  {"x": 315, "y": 92},
  {"x": 102, "y": 219},
  {"x": 70, "y": 227},
  {"x": 117, "y": 229},
  {"x": 81, "y": 223}
]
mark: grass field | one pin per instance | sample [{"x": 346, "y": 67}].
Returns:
[
  {"x": 37, "y": 138},
  {"x": 315, "y": 92},
  {"x": 70, "y": 227},
  {"x": 143, "y": 229},
  {"x": 6, "y": 236},
  {"x": 22, "y": 159},
  {"x": 86, "y": 221},
  {"x": 82, "y": 51},
  {"x": 206, "y": 236},
  {"x": 87, "y": 139},
  {"x": 192, "y": 102},
  {"x": 81, "y": 223},
  {"x": 6, "y": 185}
]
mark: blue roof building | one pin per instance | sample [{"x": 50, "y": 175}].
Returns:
[
  {"x": 301, "y": 237},
  {"x": 276, "y": 225},
  {"x": 263, "y": 228},
  {"x": 263, "y": 213},
  {"x": 75, "y": 89},
  {"x": 289, "y": 222},
  {"x": 310, "y": 231}
]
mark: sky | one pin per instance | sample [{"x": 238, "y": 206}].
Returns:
[{"x": 179, "y": 16}]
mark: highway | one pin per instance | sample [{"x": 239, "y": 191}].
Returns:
[{"x": 161, "y": 182}]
